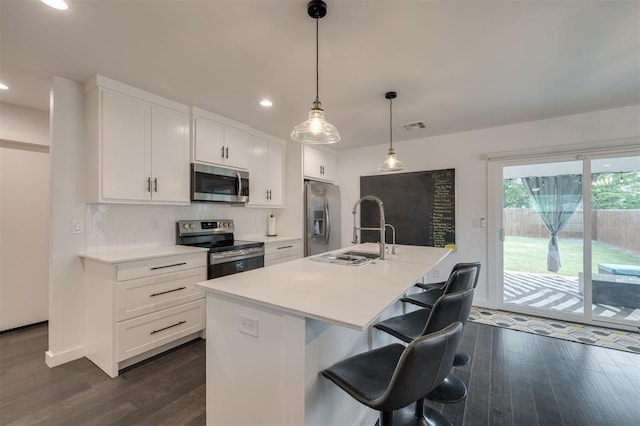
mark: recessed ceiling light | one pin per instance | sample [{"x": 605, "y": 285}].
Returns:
[
  {"x": 56, "y": 4},
  {"x": 3, "y": 86},
  {"x": 266, "y": 103}
]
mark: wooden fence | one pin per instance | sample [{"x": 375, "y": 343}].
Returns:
[{"x": 619, "y": 228}]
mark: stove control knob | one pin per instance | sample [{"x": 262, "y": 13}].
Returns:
[
  {"x": 185, "y": 226},
  {"x": 191, "y": 225}
]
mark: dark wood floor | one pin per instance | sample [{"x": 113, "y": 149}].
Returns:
[{"x": 515, "y": 379}]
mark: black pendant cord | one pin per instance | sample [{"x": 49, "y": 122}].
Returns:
[
  {"x": 390, "y": 124},
  {"x": 317, "y": 61}
]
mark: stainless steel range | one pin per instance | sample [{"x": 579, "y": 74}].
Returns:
[{"x": 226, "y": 255}]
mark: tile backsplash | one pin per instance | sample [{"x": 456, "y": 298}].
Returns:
[{"x": 115, "y": 226}]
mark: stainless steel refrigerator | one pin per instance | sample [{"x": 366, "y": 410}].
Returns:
[{"x": 322, "y": 217}]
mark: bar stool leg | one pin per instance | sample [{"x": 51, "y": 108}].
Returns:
[{"x": 452, "y": 389}]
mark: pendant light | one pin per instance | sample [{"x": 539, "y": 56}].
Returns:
[
  {"x": 316, "y": 130},
  {"x": 391, "y": 162}
]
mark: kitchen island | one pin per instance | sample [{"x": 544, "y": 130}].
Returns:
[{"x": 270, "y": 331}]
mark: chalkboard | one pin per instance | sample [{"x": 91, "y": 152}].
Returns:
[{"x": 420, "y": 205}]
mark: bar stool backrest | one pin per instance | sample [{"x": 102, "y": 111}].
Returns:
[
  {"x": 424, "y": 364},
  {"x": 460, "y": 280},
  {"x": 465, "y": 265},
  {"x": 449, "y": 308}
]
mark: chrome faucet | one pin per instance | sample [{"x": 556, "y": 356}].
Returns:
[
  {"x": 393, "y": 247},
  {"x": 381, "y": 229}
]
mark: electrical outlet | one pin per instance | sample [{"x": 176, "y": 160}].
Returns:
[
  {"x": 436, "y": 273},
  {"x": 248, "y": 326}
]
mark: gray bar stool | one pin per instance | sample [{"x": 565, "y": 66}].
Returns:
[
  {"x": 393, "y": 377},
  {"x": 433, "y": 291},
  {"x": 450, "y": 308}
]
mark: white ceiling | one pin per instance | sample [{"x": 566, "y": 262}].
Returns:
[{"x": 456, "y": 65}]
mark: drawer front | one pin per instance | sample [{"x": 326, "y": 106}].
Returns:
[
  {"x": 144, "y": 333},
  {"x": 288, "y": 247},
  {"x": 146, "y": 295},
  {"x": 160, "y": 265},
  {"x": 274, "y": 259}
]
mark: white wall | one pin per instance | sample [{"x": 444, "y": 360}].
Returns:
[
  {"x": 24, "y": 124},
  {"x": 467, "y": 153},
  {"x": 24, "y": 216},
  {"x": 66, "y": 327}
]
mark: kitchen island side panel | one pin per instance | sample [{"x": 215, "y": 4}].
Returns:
[
  {"x": 253, "y": 380},
  {"x": 274, "y": 378}
]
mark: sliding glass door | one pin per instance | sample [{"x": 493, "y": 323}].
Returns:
[
  {"x": 568, "y": 246},
  {"x": 615, "y": 239},
  {"x": 543, "y": 242}
]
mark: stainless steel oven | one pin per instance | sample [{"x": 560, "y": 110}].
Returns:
[
  {"x": 226, "y": 255},
  {"x": 234, "y": 261}
]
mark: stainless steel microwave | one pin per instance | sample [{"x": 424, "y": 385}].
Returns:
[{"x": 214, "y": 183}]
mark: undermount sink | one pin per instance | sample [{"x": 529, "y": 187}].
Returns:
[
  {"x": 350, "y": 258},
  {"x": 361, "y": 254}
]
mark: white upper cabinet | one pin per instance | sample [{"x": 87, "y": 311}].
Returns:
[
  {"x": 319, "y": 164},
  {"x": 169, "y": 155},
  {"x": 217, "y": 140},
  {"x": 137, "y": 145},
  {"x": 266, "y": 172}
]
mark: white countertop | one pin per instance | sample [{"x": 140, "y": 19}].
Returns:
[
  {"x": 141, "y": 253},
  {"x": 350, "y": 296},
  {"x": 266, "y": 239}
]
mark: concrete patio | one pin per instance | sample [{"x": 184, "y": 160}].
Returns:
[{"x": 556, "y": 292}]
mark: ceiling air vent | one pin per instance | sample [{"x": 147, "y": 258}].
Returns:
[{"x": 414, "y": 126}]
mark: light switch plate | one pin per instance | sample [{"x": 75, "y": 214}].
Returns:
[{"x": 77, "y": 226}]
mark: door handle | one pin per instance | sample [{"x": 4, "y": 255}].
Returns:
[
  {"x": 222, "y": 152},
  {"x": 239, "y": 183},
  {"x": 148, "y": 184},
  {"x": 155, "y": 184},
  {"x": 327, "y": 228},
  {"x": 226, "y": 153},
  {"x": 501, "y": 234}
]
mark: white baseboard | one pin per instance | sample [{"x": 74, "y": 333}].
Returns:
[
  {"x": 482, "y": 303},
  {"x": 53, "y": 360}
]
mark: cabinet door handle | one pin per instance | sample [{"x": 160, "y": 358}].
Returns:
[
  {"x": 148, "y": 184},
  {"x": 222, "y": 152},
  {"x": 168, "y": 291},
  {"x": 227, "y": 152},
  {"x": 155, "y": 184},
  {"x": 168, "y": 266},
  {"x": 172, "y": 325},
  {"x": 284, "y": 247}
]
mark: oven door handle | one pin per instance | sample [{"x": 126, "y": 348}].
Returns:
[{"x": 213, "y": 260}]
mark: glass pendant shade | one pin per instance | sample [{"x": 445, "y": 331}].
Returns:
[
  {"x": 315, "y": 130},
  {"x": 391, "y": 163}
]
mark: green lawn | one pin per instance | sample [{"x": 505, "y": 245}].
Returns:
[{"x": 530, "y": 255}]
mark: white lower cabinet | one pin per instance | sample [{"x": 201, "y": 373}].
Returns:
[
  {"x": 137, "y": 309},
  {"x": 147, "y": 332},
  {"x": 282, "y": 251}
]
